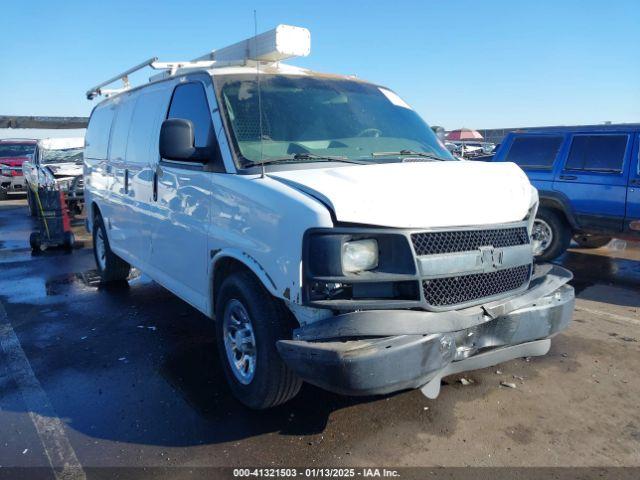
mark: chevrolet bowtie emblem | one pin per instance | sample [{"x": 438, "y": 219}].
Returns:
[{"x": 491, "y": 258}]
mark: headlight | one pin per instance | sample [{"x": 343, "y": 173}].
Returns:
[{"x": 359, "y": 255}]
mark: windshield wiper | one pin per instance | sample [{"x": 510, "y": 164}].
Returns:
[
  {"x": 411, "y": 153},
  {"x": 302, "y": 157}
]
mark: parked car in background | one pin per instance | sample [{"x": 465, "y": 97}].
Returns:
[
  {"x": 588, "y": 179},
  {"x": 470, "y": 150},
  {"x": 57, "y": 164},
  {"x": 13, "y": 153}
]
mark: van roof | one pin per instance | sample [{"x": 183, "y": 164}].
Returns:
[
  {"x": 261, "y": 53},
  {"x": 275, "y": 68}
]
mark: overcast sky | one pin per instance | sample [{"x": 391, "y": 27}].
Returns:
[{"x": 480, "y": 64}]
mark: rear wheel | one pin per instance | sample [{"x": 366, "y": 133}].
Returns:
[
  {"x": 551, "y": 235},
  {"x": 111, "y": 267},
  {"x": 34, "y": 241},
  {"x": 249, "y": 322},
  {"x": 591, "y": 241},
  {"x": 4, "y": 193},
  {"x": 69, "y": 240}
]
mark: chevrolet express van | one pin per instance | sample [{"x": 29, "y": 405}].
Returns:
[{"x": 319, "y": 222}]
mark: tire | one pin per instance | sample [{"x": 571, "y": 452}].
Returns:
[
  {"x": 4, "y": 194},
  {"x": 70, "y": 241},
  {"x": 591, "y": 241},
  {"x": 272, "y": 382},
  {"x": 31, "y": 201},
  {"x": 34, "y": 241},
  {"x": 110, "y": 267},
  {"x": 560, "y": 235}
]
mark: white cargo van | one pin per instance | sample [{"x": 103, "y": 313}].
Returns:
[{"x": 321, "y": 224}]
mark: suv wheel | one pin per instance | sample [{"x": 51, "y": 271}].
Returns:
[
  {"x": 249, "y": 322},
  {"x": 591, "y": 241},
  {"x": 111, "y": 267},
  {"x": 551, "y": 236}
]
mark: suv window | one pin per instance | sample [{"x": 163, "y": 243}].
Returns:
[
  {"x": 189, "y": 102},
  {"x": 604, "y": 153},
  {"x": 534, "y": 151}
]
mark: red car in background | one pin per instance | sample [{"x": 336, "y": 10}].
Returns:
[{"x": 13, "y": 153}]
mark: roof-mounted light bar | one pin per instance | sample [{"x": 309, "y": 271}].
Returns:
[{"x": 284, "y": 41}]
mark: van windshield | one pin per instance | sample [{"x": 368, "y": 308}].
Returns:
[{"x": 310, "y": 118}]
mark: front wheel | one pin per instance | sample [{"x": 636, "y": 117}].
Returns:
[
  {"x": 551, "y": 235},
  {"x": 249, "y": 322},
  {"x": 110, "y": 267}
]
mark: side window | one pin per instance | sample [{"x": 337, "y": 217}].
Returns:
[
  {"x": 97, "y": 136},
  {"x": 600, "y": 153},
  {"x": 534, "y": 151},
  {"x": 120, "y": 130},
  {"x": 190, "y": 103},
  {"x": 142, "y": 142}
]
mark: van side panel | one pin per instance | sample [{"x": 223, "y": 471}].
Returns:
[
  {"x": 117, "y": 154},
  {"x": 261, "y": 222},
  {"x": 141, "y": 162},
  {"x": 97, "y": 175},
  {"x": 182, "y": 207}
]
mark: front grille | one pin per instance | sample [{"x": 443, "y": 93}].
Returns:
[
  {"x": 441, "y": 292},
  {"x": 432, "y": 243}
]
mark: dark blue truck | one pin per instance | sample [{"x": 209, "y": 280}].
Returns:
[{"x": 588, "y": 179}]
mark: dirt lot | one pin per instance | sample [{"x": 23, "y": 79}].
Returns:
[{"x": 93, "y": 377}]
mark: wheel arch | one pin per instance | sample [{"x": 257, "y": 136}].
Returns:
[
  {"x": 559, "y": 203},
  {"x": 226, "y": 262},
  {"x": 92, "y": 213}
]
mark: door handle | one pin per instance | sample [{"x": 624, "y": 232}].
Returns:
[
  {"x": 634, "y": 181},
  {"x": 568, "y": 177},
  {"x": 157, "y": 173},
  {"x": 155, "y": 186}
]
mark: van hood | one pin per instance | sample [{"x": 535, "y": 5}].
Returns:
[{"x": 419, "y": 194}]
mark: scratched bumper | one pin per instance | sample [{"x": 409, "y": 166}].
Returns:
[{"x": 382, "y": 351}]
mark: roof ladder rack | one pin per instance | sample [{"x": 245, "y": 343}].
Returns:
[
  {"x": 280, "y": 43},
  {"x": 124, "y": 76}
]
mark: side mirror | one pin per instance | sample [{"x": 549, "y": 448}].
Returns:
[{"x": 177, "y": 142}]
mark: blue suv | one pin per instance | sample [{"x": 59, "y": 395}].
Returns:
[{"x": 588, "y": 179}]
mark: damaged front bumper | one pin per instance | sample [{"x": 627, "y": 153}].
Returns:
[{"x": 382, "y": 351}]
